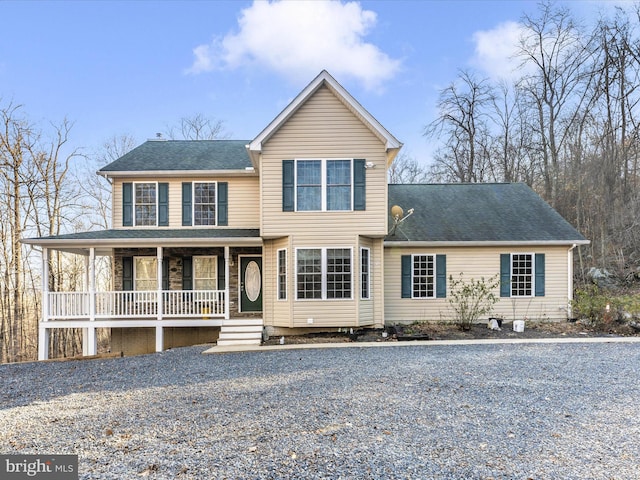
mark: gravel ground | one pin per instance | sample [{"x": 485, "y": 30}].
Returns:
[{"x": 426, "y": 412}]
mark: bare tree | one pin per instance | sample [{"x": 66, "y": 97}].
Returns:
[
  {"x": 197, "y": 127},
  {"x": 463, "y": 122},
  {"x": 406, "y": 169}
]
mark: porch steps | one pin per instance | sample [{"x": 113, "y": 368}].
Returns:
[{"x": 246, "y": 331}]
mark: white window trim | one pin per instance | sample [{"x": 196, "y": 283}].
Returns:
[
  {"x": 533, "y": 275},
  {"x": 323, "y": 183},
  {"x": 435, "y": 276},
  {"x": 368, "y": 293},
  {"x": 135, "y": 223},
  {"x": 323, "y": 273},
  {"x": 135, "y": 276},
  {"x": 286, "y": 275},
  {"x": 215, "y": 277},
  {"x": 193, "y": 204}
]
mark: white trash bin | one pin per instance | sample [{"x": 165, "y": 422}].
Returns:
[{"x": 518, "y": 326}]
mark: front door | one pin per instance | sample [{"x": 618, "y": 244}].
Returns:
[{"x": 250, "y": 284}]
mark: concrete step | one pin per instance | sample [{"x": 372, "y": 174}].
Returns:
[
  {"x": 225, "y": 343},
  {"x": 240, "y": 335},
  {"x": 238, "y": 322},
  {"x": 243, "y": 329}
]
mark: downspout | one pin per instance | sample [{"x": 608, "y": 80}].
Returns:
[{"x": 570, "y": 280}]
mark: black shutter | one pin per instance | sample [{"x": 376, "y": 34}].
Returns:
[
  {"x": 165, "y": 274},
  {"x": 186, "y": 204},
  {"x": 187, "y": 273},
  {"x": 539, "y": 274},
  {"x": 441, "y": 276},
  {"x": 163, "y": 204},
  {"x": 288, "y": 186},
  {"x": 359, "y": 185},
  {"x": 127, "y": 204},
  {"x": 406, "y": 265},
  {"x": 223, "y": 203},
  {"x": 127, "y": 273},
  {"x": 221, "y": 270},
  {"x": 505, "y": 275}
]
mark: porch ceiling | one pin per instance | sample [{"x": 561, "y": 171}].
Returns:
[{"x": 105, "y": 240}]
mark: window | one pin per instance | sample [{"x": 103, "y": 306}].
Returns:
[
  {"x": 521, "y": 274},
  {"x": 323, "y": 273},
  {"x": 309, "y": 185},
  {"x": 282, "y": 274},
  {"x": 338, "y": 185},
  {"x": 365, "y": 268},
  {"x": 309, "y": 271},
  {"x": 145, "y": 273},
  {"x": 204, "y": 203},
  {"x": 146, "y": 206},
  {"x": 339, "y": 273},
  {"x": 323, "y": 185},
  {"x": 423, "y": 276},
  {"x": 205, "y": 273}
]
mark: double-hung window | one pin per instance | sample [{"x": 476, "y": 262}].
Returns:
[
  {"x": 522, "y": 274},
  {"x": 365, "y": 272},
  {"x": 282, "y": 274},
  {"x": 205, "y": 273},
  {"x": 323, "y": 273},
  {"x": 324, "y": 185},
  {"x": 145, "y": 271},
  {"x": 204, "y": 203},
  {"x": 146, "y": 203},
  {"x": 423, "y": 276}
]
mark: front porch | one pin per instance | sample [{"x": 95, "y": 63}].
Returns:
[{"x": 161, "y": 287}]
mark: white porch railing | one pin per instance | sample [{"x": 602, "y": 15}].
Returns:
[{"x": 137, "y": 304}]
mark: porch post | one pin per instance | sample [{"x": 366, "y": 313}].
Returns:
[
  {"x": 89, "y": 341},
  {"x": 226, "y": 282},
  {"x": 43, "y": 332},
  {"x": 159, "y": 331}
]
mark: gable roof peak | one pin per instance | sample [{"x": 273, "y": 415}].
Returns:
[{"x": 392, "y": 144}]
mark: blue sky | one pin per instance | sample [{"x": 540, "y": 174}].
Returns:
[{"x": 134, "y": 68}]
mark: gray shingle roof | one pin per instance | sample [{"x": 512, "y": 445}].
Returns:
[
  {"x": 176, "y": 155},
  {"x": 159, "y": 234},
  {"x": 497, "y": 212}
]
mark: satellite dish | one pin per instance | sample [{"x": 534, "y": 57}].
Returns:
[{"x": 397, "y": 212}]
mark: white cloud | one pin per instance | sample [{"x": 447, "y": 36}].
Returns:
[
  {"x": 495, "y": 52},
  {"x": 298, "y": 39}
]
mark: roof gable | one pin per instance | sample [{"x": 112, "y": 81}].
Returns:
[
  {"x": 181, "y": 155},
  {"x": 392, "y": 144},
  {"x": 470, "y": 213}
]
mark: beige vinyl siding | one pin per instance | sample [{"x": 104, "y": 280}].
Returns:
[
  {"x": 277, "y": 313},
  {"x": 243, "y": 196},
  {"x": 323, "y": 128},
  {"x": 477, "y": 262},
  {"x": 371, "y": 311}
]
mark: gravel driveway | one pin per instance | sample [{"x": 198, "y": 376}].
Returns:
[{"x": 425, "y": 412}]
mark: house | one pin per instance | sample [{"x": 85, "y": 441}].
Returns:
[{"x": 216, "y": 240}]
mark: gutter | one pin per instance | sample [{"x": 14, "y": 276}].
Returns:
[{"x": 485, "y": 243}]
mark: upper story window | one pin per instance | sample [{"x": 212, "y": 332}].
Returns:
[
  {"x": 146, "y": 204},
  {"x": 323, "y": 185},
  {"x": 204, "y": 203}
]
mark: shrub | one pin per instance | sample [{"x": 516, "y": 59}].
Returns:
[{"x": 471, "y": 299}]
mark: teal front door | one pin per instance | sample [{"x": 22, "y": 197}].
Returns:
[{"x": 250, "y": 284}]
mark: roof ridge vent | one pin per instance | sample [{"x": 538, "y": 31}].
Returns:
[{"x": 158, "y": 138}]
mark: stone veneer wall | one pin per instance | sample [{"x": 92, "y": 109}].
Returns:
[{"x": 133, "y": 341}]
